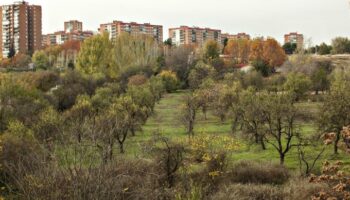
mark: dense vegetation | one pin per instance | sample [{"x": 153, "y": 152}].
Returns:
[{"x": 132, "y": 119}]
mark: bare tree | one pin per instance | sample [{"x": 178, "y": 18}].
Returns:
[
  {"x": 280, "y": 116},
  {"x": 188, "y": 116}
]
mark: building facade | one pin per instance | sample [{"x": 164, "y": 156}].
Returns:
[
  {"x": 20, "y": 29},
  {"x": 235, "y": 36},
  {"x": 73, "y": 26},
  {"x": 194, "y": 36},
  {"x": 73, "y": 30},
  {"x": 294, "y": 38},
  {"x": 117, "y": 27}
]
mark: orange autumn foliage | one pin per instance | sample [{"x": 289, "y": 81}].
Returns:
[
  {"x": 239, "y": 50},
  {"x": 273, "y": 54},
  {"x": 243, "y": 51},
  {"x": 256, "y": 49}
]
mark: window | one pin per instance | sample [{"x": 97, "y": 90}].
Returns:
[{"x": 194, "y": 36}]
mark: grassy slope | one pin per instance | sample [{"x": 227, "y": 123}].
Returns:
[{"x": 165, "y": 121}]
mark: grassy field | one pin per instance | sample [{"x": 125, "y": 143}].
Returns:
[{"x": 165, "y": 122}]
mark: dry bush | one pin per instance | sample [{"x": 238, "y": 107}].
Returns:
[
  {"x": 137, "y": 80},
  {"x": 295, "y": 189},
  {"x": 300, "y": 188},
  {"x": 249, "y": 192},
  {"x": 120, "y": 180},
  {"x": 253, "y": 172}
]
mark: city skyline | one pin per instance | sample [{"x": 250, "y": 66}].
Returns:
[{"x": 321, "y": 21}]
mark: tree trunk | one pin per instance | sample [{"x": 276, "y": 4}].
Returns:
[
  {"x": 121, "y": 148},
  {"x": 222, "y": 118},
  {"x": 190, "y": 128},
  {"x": 282, "y": 158},
  {"x": 133, "y": 131},
  {"x": 110, "y": 151},
  {"x": 336, "y": 143},
  {"x": 79, "y": 137},
  {"x": 205, "y": 113},
  {"x": 257, "y": 138},
  {"x": 263, "y": 146}
]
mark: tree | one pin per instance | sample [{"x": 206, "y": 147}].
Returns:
[
  {"x": 170, "y": 158},
  {"x": 320, "y": 80},
  {"x": 262, "y": 67},
  {"x": 11, "y": 53},
  {"x": 199, "y": 73},
  {"x": 156, "y": 87},
  {"x": 69, "y": 53},
  {"x": 53, "y": 53},
  {"x": 73, "y": 84},
  {"x": 19, "y": 103},
  {"x": 134, "y": 51},
  {"x": 340, "y": 45},
  {"x": 324, "y": 49},
  {"x": 256, "y": 50},
  {"x": 188, "y": 116},
  {"x": 274, "y": 54},
  {"x": 95, "y": 56},
  {"x": 211, "y": 50},
  {"x": 205, "y": 96},
  {"x": 239, "y": 50},
  {"x": 251, "y": 106},
  {"x": 144, "y": 99},
  {"x": 219, "y": 66},
  {"x": 280, "y": 118},
  {"x": 21, "y": 60},
  {"x": 120, "y": 119},
  {"x": 49, "y": 127},
  {"x": 168, "y": 42},
  {"x": 41, "y": 60},
  {"x": 335, "y": 111},
  {"x": 252, "y": 79},
  {"x": 79, "y": 116},
  {"x": 180, "y": 60},
  {"x": 297, "y": 84},
  {"x": 289, "y": 48},
  {"x": 225, "y": 99}
]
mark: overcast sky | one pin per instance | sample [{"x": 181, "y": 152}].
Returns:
[{"x": 320, "y": 20}]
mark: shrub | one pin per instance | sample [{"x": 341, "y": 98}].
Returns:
[
  {"x": 170, "y": 80},
  {"x": 299, "y": 188},
  {"x": 137, "y": 80},
  {"x": 295, "y": 189},
  {"x": 72, "y": 85},
  {"x": 253, "y": 172},
  {"x": 41, "y": 80},
  {"x": 262, "y": 67},
  {"x": 249, "y": 192},
  {"x": 122, "y": 179}
]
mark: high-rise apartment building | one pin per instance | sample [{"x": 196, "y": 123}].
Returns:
[
  {"x": 73, "y": 30},
  {"x": 294, "y": 38},
  {"x": 235, "y": 37},
  {"x": 20, "y": 28},
  {"x": 195, "y": 36},
  {"x": 117, "y": 27},
  {"x": 73, "y": 26}
]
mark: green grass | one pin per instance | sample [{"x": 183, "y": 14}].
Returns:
[{"x": 165, "y": 122}]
